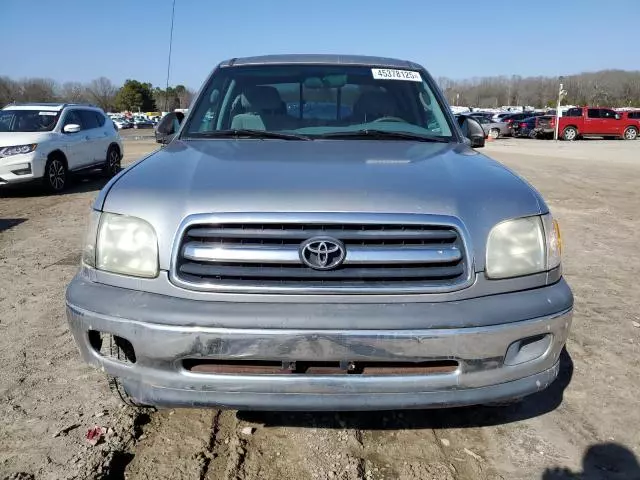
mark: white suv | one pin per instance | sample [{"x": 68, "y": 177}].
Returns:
[{"x": 46, "y": 141}]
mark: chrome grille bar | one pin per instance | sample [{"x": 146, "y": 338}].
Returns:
[{"x": 356, "y": 255}]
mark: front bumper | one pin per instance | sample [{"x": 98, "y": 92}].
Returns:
[
  {"x": 158, "y": 376},
  {"x": 33, "y": 161}
]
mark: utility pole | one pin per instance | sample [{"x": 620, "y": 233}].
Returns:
[
  {"x": 561, "y": 94},
  {"x": 166, "y": 92}
]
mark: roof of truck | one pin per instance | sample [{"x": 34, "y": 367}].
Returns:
[
  {"x": 45, "y": 106},
  {"x": 320, "y": 59}
]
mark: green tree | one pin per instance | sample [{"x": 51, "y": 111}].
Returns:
[
  {"x": 134, "y": 96},
  {"x": 172, "y": 98}
]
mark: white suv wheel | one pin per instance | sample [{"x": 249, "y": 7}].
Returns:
[
  {"x": 55, "y": 175},
  {"x": 112, "y": 165}
]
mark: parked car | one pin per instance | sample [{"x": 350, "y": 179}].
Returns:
[
  {"x": 488, "y": 115},
  {"x": 493, "y": 129},
  {"x": 47, "y": 141},
  {"x": 142, "y": 122},
  {"x": 268, "y": 259},
  {"x": 122, "y": 123},
  {"x": 513, "y": 118},
  {"x": 597, "y": 121},
  {"x": 542, "y": 126},
  {"x": 498, "y": 117}
]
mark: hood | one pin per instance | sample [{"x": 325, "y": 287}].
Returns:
[
  {"x": 10, "y": 139},
  {"x": 371, "y": 176}
]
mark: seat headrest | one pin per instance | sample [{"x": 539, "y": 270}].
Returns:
[
  {"x": 375, "y": 104},
  {"x": 261, "y": 98}
]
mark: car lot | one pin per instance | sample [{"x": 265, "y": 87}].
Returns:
[{"x": 588, "y": 421}]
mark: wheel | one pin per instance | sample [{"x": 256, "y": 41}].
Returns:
[
  {"x": 55, "y": 174},
  {"x": 570, "y": 134},
  {"x": 494, "y": 133},
  {"x": 115, "y": 385},
  {"x": 631, "y": 133},
  {"x": 112, "y": 164}
]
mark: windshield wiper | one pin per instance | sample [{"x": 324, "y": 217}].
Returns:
[
  {"x": 368, "y": 133},
  {"x": 247, "y": 133}
]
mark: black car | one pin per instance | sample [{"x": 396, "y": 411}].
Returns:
[
  {"x": 524, "y": 127},
  {"x": 513, "y": 118},
  {"x": 540, "y": 126}
]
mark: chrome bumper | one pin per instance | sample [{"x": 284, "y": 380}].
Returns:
[{"x": 159, "y": 378}]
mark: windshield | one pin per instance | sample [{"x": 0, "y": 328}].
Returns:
[
  {"x": 317, "y": 101},
  {"x": 28, "y": 120}
]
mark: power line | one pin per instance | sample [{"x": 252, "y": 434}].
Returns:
[{"x": 166, "y": 92}]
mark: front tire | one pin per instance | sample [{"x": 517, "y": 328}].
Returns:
[
  {"x": 55, "y": 175},
  {"x": 112, "y": 164},
  {"x": 494, "y": 133},
  {"x": 570, "y": 134},
  {"x": 631, "y": 133}
]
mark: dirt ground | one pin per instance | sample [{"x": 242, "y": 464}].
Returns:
[{"x": 587, "y": 425}]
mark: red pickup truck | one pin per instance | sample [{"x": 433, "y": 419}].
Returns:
[{"x": 596, "y": 122}]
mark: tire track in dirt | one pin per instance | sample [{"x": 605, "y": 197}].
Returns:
[
  {"x": 209, "y": 452},
  {"x": 293, "y": 445},
  {"x": 229, "y": 450},
  {"x": 404, "y": 446},
  {"x": 230, "y": 445},
  {"x": 173, "y": 444}
]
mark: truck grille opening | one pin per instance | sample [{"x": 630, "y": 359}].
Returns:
[
  {"x": 378, "y": 256},
  {"x": 260, "y": 367}
]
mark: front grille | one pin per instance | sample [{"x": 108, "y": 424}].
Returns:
[{"x": 263, "y": 256}]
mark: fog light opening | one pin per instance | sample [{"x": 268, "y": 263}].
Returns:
[
  {"x": 22, "y": 171},
  {"x": 112, "y": 346},
  {"x": 527, "y": 349}
]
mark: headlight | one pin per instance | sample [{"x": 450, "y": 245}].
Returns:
[
  {"x": 523, "y": 246},
  {"x": 17, "y": 150},
  {"x": 123, "y": 244},
  {"x": 90, "y": 237}
]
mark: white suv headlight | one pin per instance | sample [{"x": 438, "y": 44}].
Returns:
[
  {"x": 17, "y": 150},
  {"x": 121, "y": 244},
  {"x": 523, "y": 246}
]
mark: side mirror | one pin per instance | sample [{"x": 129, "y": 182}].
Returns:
[
  {"x": 71, "y": 128},
  {"x": 472, "y": 130},
  {"x": 168, "y": 127},
  {"x": 618, "y": 116}
]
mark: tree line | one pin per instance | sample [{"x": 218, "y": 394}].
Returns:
[
  {"x": 133, "y": 95},
  {"x": 611, "y": 88}
]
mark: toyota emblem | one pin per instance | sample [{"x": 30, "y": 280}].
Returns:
[{"x": 322, "y": 253}]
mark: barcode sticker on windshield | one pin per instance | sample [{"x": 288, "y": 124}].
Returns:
[
  {"x": 50, "y": 114},
  {"x": 390, "y": 74}
]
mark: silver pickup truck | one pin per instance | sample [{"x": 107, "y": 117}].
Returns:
[{"x": 319, "y": 233}]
